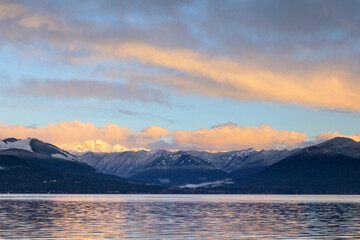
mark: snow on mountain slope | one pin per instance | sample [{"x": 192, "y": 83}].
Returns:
[
  {"x": 36, "y": 146},
  {"x": 227, "y": 161},
  {"x": 98, "y": 146},
  {"x": 126, "y": 164},
  {"x": 50, "y": 150},
  {"x": 122, "y": 164},
  {"x": 58, "y": 155},
  {"x": 23, "y": 144},
  {"x": 178, "y": 159}
]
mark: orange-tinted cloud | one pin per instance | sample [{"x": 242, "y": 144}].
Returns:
[
  {"x": 75, "y": 132},
  {"x": 224, "y": 77},
  {"x": 80, "y": 134},
  {"x": 329, "y": 135},
  {"x": 11, "y": 11},
  {"x": 219, "y": 138},
  {"x": 27, "y": 19},
  {"x": 233, "y": 137},
  {"x": 324, "y": 85},
  {"x": 40, "y": 21},
  {"x": 154, "y": 132},
  {"x": 69, "y": 131}
]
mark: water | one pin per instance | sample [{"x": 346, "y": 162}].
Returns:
[{"x": 179, "y": 217}]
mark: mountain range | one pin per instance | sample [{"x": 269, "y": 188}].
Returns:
[
  {"x": 332, "y": 166},
  {"x": 30, "y": 165},
  {"x": 183, "y": 167}
]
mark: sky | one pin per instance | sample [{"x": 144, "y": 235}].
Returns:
[{"x": 207, "y": 75}]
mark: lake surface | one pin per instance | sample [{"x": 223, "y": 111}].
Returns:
[{"x": 179, "y": 217}]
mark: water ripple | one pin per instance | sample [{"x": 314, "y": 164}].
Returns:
[{"x": 179, "y": 217}]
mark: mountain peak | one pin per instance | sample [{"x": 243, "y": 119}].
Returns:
[
  {"x": 96, "y": 145},
  {"x": 9, "y": 143},
  {"x": 7, "y": 140},
  {"x": 338, "y": 145},
  {"x": 34, "y": 145},
  {"x": 337, "y": 141}
]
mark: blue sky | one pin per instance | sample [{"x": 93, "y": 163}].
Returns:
[{"x": 187, "y": 69}]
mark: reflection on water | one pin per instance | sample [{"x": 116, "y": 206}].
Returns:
[{"x": 179, "y": 217}]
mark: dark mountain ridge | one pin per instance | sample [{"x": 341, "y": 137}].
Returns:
[{"x": 329, "y": 167}]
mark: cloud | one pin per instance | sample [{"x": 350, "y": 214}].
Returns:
[
  {"x": 329, "y": 135},
  {"x": 71, "y": 132},
  {"x": 74, "y": 135},
  {"x": 229, "y": 136},
  {"x": 11, "y": 11},
  {"x": 299, "y": 64},
  {"x": 37, "y": 22},
  {"x": 154, "y": 132},
  {"x": 233, "y": 137},
  {"x": 22, "y": 15},
  {"x": 128, "y": 112},
  {"x": 79, "y": 89},
  {"x": 143, "y": 115},
  {"x": 223, "y": 77}
]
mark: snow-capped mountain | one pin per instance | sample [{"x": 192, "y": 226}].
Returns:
[
  {"x": 122, "y": 164},
  {"x": 32, "y": 166},
  {"x": 97, "y": 146},
  {"x": 242, "y": 159},
  {"x": 227, "y": 161},
  {"x": 126, "y": 164},
  {"x": 10, "y": 143},
  {"x": 179, "y": 159},
  {"x": 36, "y": 146},
  {"x": 179, "y": 169},
  {"x": 158, "y": 166}
]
